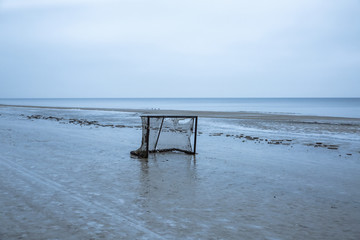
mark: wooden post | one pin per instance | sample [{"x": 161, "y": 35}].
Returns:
[
  {"x": 196, "y": 121},
  {"x": 147, "y": 136}
]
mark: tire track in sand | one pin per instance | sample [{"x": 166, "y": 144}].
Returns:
[{"x": 121, "y": 219}]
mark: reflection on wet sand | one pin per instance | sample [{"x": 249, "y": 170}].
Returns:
[{"x": 166, "y": 177}]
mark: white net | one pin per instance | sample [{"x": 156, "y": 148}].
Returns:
[{"x": 166, "y": 133}]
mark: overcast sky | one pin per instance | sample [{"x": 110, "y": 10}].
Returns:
[{"x": 179, "y": 48}]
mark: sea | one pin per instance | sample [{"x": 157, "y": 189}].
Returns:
[{"x": 335, "y": 107}]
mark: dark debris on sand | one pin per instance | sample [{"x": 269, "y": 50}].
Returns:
[
  {"x": 285, "y": 142},
  {"x": 81, "y": 122}
]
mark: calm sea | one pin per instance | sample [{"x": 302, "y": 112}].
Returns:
[{"x": 340, "y": 107}]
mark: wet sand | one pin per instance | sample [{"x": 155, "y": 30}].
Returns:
[{"x": 68, "y": 174}]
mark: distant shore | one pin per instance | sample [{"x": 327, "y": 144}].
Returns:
[{"x": 205, "y": 114}]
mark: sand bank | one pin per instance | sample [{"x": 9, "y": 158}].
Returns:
[{"x": 205, "y": 114}]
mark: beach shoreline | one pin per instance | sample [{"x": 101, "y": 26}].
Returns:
[{"x": 205, "y": 114}]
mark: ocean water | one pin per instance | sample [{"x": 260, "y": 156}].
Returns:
[{"x": 337, "y": 107}]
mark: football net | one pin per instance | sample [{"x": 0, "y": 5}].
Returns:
[{"x": 167, "y": 133}]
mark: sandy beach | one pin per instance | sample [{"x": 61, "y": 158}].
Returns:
[{"x": 66, "y": 173}]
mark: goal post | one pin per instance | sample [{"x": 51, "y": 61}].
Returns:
[{"x": 167, "y": 133}]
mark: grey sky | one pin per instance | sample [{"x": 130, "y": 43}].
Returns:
[{"x": 180, "y": 48}]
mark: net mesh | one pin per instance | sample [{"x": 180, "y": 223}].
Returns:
[{"x": 165, "y": 134}]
